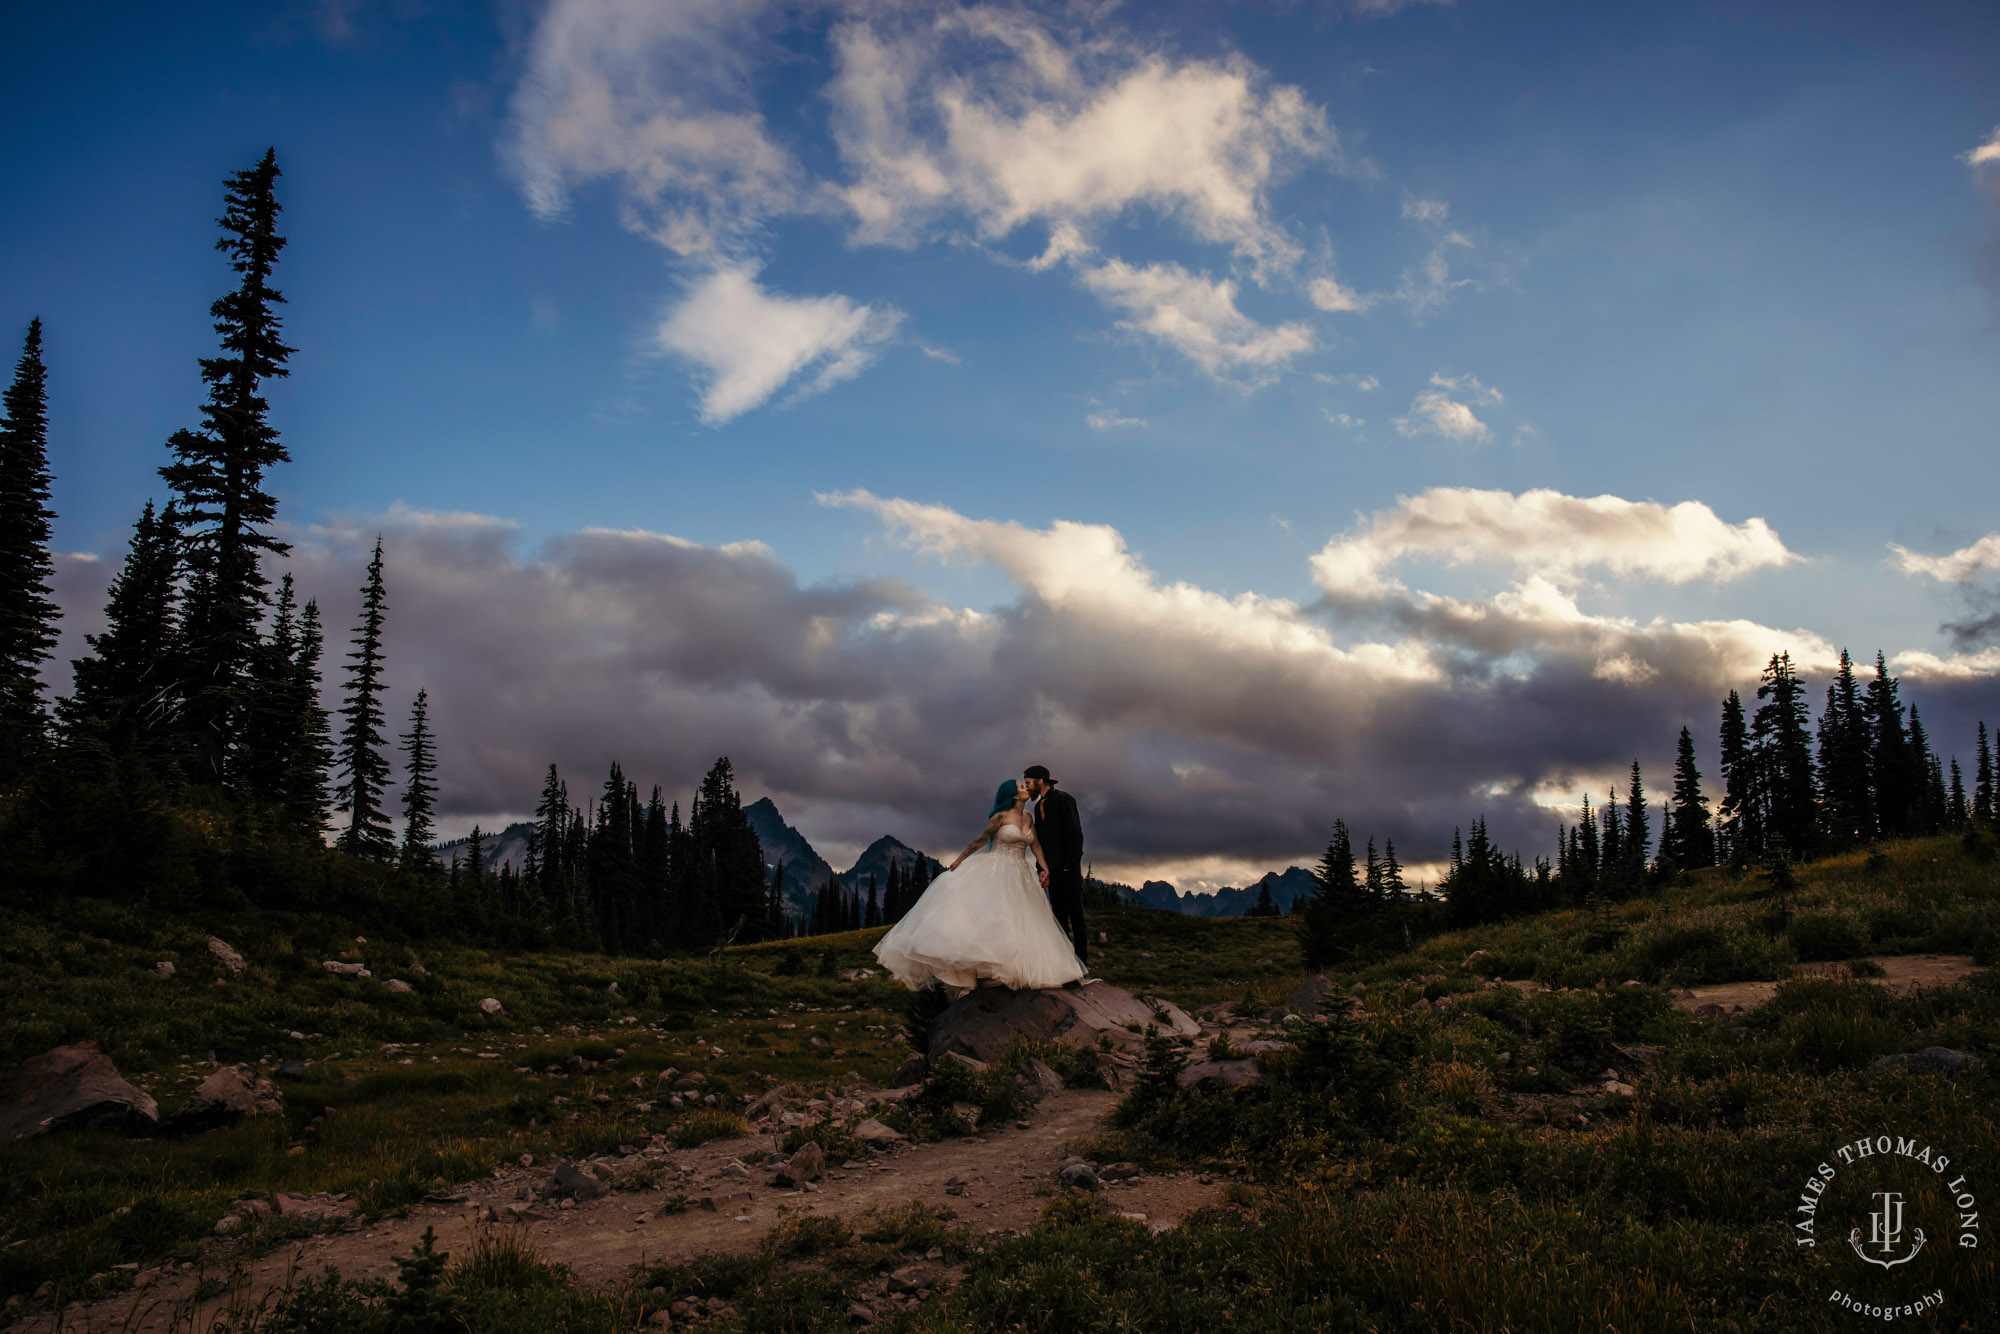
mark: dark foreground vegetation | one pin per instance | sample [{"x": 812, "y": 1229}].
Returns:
[{"x": 1445, "y": 1158}]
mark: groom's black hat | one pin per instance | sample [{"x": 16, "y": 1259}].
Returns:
[{"x": 1038, "y": 771}]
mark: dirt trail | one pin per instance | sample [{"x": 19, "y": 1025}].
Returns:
[
  {"x": 991, "y": 1180},
  {"x": 1902, "y": 974}
]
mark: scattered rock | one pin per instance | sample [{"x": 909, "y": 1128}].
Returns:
[
  {"x": 907, "y": 1279},
  {"x": 491, "y": 1007},
  {"x": 732, "y": 1203},
  {"x": 1235, "y": 1072},
  {"x": 911, "y": 1071},
  {"x": 229, "y": 1095},
  {"x": 773, "y": 1100},
  {"x": 227, "y": 957},
  {"x": 984, "y": 1022},
  {"x": 230, "y": 1224},
  {"x": 1619, "y": 1088},
  {"x": 872, "y": 1131},
  {"x": 1120, "y": 1172},
  {"x": 1709, "y": 1011},
  {"x": 1038, "y": 1078},
  {"x": 1931, "y": 1060},
  {"x": 292, "y": 1071},
  {"x": 67, "y": 1086},
  {"x": 1421, "y": 1003},
  {"x": 340, "y": 969},
  {"x": 321, "y": 1206},
  {"x": 807, "y": 1163},
  {"x": 1307, "y": 998},
  {"x": 861, "y": 1315},
  {"x": 163, "y": 969},
  {"x": 573, "y": 1183},
  {"x": 1078, "y": 1176},
  {"x": 396, "y": 986},
  {"x": 977, "y": 1067}
]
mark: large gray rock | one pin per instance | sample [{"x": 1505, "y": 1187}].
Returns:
[
  {"x": 68, "y": 1086},
  {"x": 572, "y": 1181},
  {"x": 230, "y": 1094},
  {"x": 1038, "y": 1078},
  {"x": 1233, "y": 1072},
  {"x": 1931, "y": 1060},
  {"x": 1309, "y": 997},
  {"x": 224, "y": 955},
  {"x": 982, "y": 1023}
]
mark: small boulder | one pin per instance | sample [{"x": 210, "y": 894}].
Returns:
[
  {"x": 396, "y": 986},
  {"x": 907, "y": 1279},
  {"x": 1307, "y": 998},
  {"x": 872, "y": 1131},
  {"x": 1234, "y": 1073},
  {"x": 231, "y": 961},
  {"x": 1709, "y": 1011},
  {"x": 807, "y": 1163},
  {"x": 340, "y": 969},
  {"x": 1618, "y": 1088},
  {"x": 67, "y": 1086},
  {"x": 491, "y": 1008},
  {"x": 1930, "y": 1061},
  {"x": 911, "y": 1071},
  {"x": 230, "y": 1094},
  {"x": 163, "y": 969},
  {"x": 1078, "y": 1176},
  {"x": 573, "y": 1183},
  {"x": 292, "y": 1071},
  {"x": 977, "y": 1067},
  {"x": 1038, "y": 1078},
  {"x": 1120, "y": 1172}
]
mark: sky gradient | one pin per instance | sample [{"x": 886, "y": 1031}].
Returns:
[{"x": 1260, "y": 413}]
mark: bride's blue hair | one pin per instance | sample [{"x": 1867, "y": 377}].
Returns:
[{"x": 1003, "y": 800}]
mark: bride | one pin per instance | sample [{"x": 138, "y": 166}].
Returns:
[{"x": 985, "y": 919}]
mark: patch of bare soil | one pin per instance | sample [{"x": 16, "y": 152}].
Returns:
[
  {"x": 997, "y": 1182},
  {"x": 1902, "y": 974}
]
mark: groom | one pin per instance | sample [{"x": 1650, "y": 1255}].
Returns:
[{"x": 1061, "y": 834}]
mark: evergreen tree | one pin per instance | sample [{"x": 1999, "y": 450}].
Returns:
[
  {"x": 1371, "y": 875},
  {"x": 1637, "y": 841},
  {"x": 1265, "y": 906},
  {"x": 545, "y": 844},
  {"x": 475, "y": 856},
  {"x": 1846, "y": 773},
  {"x": 28, "y": 615},
  {"x": 873, "y": 915},
  {"x": 218, "y": 472},
  {"x": 1742, "y": 815},
  {"x": 656, "y": 872},
  {"x": 1685, "y": 835},
  {"x": 124, "y": 686},
  {"x": 1334, "y": 901},
  {"x": 1778, "y": 739},
  {"x": 1982, "y": 780},
  {"x": 727, "y": 885},
  {"x": 1392, "y": 871},
  {"x": 1899, "y": 777},
  {"x": 309, "y": 758},
  {"x": 1930, "y": 815},
  {"x": 613, "y": 874},
  {"x": 361, "y": 758},
  {"x": 1590, "y": 853},
  {"x": 1956, "y": 811},
  {"x": 420, "y": 791}
]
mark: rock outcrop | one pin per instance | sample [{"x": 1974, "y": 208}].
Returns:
[
  {"x": 68, "y": 1086},
  {"x": 224, "y": 955},
  {"x": 984, "y": 1022},
  {"x": 1931, "y": 1060},
  {"x": 230, "y": 1094}
]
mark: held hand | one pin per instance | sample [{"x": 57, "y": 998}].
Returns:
[
  {"x": 954, "y": 865},
  {"x": 1045, "y": 877}
]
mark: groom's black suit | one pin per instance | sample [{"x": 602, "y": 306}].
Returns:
[{"x": 1061, "y": 835}]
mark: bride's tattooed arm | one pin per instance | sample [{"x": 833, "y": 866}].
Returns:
[{"x": 992, "y": 828}]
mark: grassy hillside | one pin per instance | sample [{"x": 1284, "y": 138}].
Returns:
[{"x": 1427, "y": 1165}]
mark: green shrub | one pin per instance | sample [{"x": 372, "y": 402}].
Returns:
[
  {"x": 1822, "y": 936},
  {"x": 1462, "y": 1149},
  {"x": 701, "y": 1127}
]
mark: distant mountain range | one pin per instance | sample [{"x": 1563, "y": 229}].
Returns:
[{"x": 806, "y": 871}]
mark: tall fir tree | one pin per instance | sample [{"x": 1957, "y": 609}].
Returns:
[
  {"x": 1741, "y": 822},
  {"x": 419, "y": 788},
  {"x": 1335, "y": 898},
  {"x": 1897, "y": 773},
  {"x": 614, "y": 870},
  {"x": 310, "y": 760},
  {"x": 1637, "y": 841},
  {"x": 1685, "y": 834},
  {"x": 125, "y": 687},
  {"x": 1392, "y": 870},
  {"x": 1930, "y": 812},
  {"x": 1956, "y": 810},
  {"x": 218, "y": 473},
  {"x": 28, "y": 614},
  {"x": 1982, "y": 780},
  {"x": 361, "y": 758},
  {"x": 1846, "y": 750},
  {"x": 1779, "y": 732}
]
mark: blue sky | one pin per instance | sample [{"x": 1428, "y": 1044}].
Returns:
[{"x": 1224, "y": 288}]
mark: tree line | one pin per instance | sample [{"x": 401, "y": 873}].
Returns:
[
  {"x": 1791, "y": 789},
  {"x": 193, "y": 757}
]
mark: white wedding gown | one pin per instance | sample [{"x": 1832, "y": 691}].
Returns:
[{"x": 988, "y": 921}]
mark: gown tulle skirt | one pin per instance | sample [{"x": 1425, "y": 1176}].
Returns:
[{"x": 986, "y": 922}]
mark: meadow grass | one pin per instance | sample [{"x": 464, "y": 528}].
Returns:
[{"x": 1450, "y": 1167}]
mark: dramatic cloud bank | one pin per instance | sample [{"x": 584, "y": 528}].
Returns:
[{"x": 1204, "y": 734}]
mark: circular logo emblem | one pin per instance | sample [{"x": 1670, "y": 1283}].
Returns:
[{"x": 1890, "y": 1214}]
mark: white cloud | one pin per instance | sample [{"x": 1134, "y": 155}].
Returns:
[
  {"x": 1111, "y": 421},
  {"x": 1346, "y": 421},
  {"x": 1468, "y": 385},
  {"x": 747, "y": 343},
  {"x": 1197, "y": 316},
  {"x": 998, "y": 117},
  {"x": 1549, "y": 535},
  {"x": 1422, "y": 208},
  {"x": 1383, "y": 8},
  {"x": 1330, "y": 295},
  {"x": 1435, "y": 412},
  {"x": 1982, "y": 557},
  {"x": 1987, "y": 154},
  {"x": 1367, "y": 383},
  {"x": 1958, "y": 667},
  {"x": 654, "y": 97}
]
